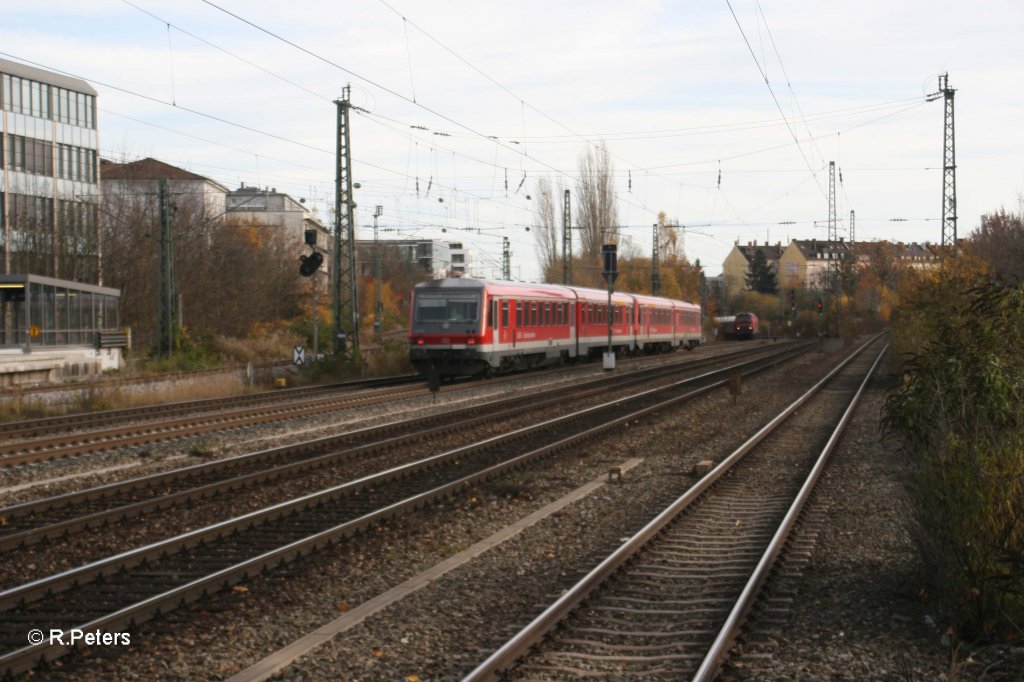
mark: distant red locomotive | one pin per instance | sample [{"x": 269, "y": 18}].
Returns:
[
  {"x": 465, "y": 326},
  {"x": 739, "y": 326}
]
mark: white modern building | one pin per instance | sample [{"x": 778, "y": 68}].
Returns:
[{"x": 49, "y": 176}]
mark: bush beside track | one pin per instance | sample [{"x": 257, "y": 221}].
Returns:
[{"x": 958, "y": 412}]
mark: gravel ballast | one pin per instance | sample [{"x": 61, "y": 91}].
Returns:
[{"x": 861, "y": 581}]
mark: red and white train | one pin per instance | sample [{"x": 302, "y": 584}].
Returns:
[{"x": 465, "y": 326}]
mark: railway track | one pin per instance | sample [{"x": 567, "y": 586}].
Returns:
[
  {"x": 48, "y": 518},
  {"x": 243, "y": 411},
  {"x": 669, "y": 602},
  {"x": 47, "y": 426},
  {"x": 133, "y": 586},
  {"x": 53, "y": 517},
  {"x": 78, "y": 434}
]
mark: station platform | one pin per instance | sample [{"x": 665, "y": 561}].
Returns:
[
  {"x": 50, "y": 364},
  {"x": 53, "y": 330}
]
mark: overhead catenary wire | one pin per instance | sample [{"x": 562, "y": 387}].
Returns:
[{"x": 775, "y": 99}]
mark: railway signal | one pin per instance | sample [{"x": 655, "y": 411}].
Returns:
[
  {"x": 310, "y": 264},
  {"x": 821, "y": 310}
]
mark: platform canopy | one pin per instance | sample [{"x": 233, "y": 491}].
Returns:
[{"x": 43, "y": 311}]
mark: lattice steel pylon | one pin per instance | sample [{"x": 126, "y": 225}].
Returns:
[
  {"x": 506, "y": 260},
  {"x": 566, "y": 240},
  {"x": 948, "y": 169},
  {"x": 345, "y": 302},
  {"x": 166, "y": 317},
  {"x": 835, "y": 275},
  {"x": 655, "y": 274},
  {"x": 832, "y": 282}
]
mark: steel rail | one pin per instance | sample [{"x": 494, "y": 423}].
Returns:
[
  {"x": 718, "y": 652},
  {"x": 26, "y": 657},
  {"x": 507, "y": 655}
]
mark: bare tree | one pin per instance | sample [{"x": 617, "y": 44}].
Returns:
[
  {"x": 596, "y": 204},
  {"x": 547, "y": 231}
]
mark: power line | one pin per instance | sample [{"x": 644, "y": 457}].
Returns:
[
  {"x": 774, "y": 98},
  {"x": 230, "y": 54}
]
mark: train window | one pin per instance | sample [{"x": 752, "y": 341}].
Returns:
[
  {"x": 519, "y": 313},
  {"x": 547, "y": 314},
  {"x": 533, "y": 314},
  {"x": 504, "y": 314},
  {"x": 493, "y": 314},
  {"x": 450, "y": 308}
]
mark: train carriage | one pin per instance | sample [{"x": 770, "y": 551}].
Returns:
[
  {"x": 464, "y": 326},
  {"x": 689, "y": 327}
]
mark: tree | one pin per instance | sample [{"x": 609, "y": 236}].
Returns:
[
  {"x": 598, "y": 213},
  {"x": 546, "y": 232},
  {"x": 1000, "y": 241},
  {"x": 760, "y": 277}
]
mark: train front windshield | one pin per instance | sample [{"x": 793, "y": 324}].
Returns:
[{"x": 446, "y": 309}]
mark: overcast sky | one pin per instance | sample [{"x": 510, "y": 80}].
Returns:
[{"x": 496, "y": 90}]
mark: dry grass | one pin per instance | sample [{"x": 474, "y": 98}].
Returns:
[{"x": 120, "y": 396}]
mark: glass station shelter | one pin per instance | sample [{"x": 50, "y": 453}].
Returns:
[{"x": 39, "y": 312}]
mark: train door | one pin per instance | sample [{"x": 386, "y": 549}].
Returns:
[
  {"x": 492, "y": 323},
  {"x": 505, "y": 333},
  {"x": 518, "y": 322}
]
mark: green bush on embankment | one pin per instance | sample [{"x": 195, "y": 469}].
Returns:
[{"x": 958, "y": 412}]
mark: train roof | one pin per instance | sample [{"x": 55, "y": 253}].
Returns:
[
  {"x": 501, "y": 287},
  {"x": 549, "y": 290}
]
